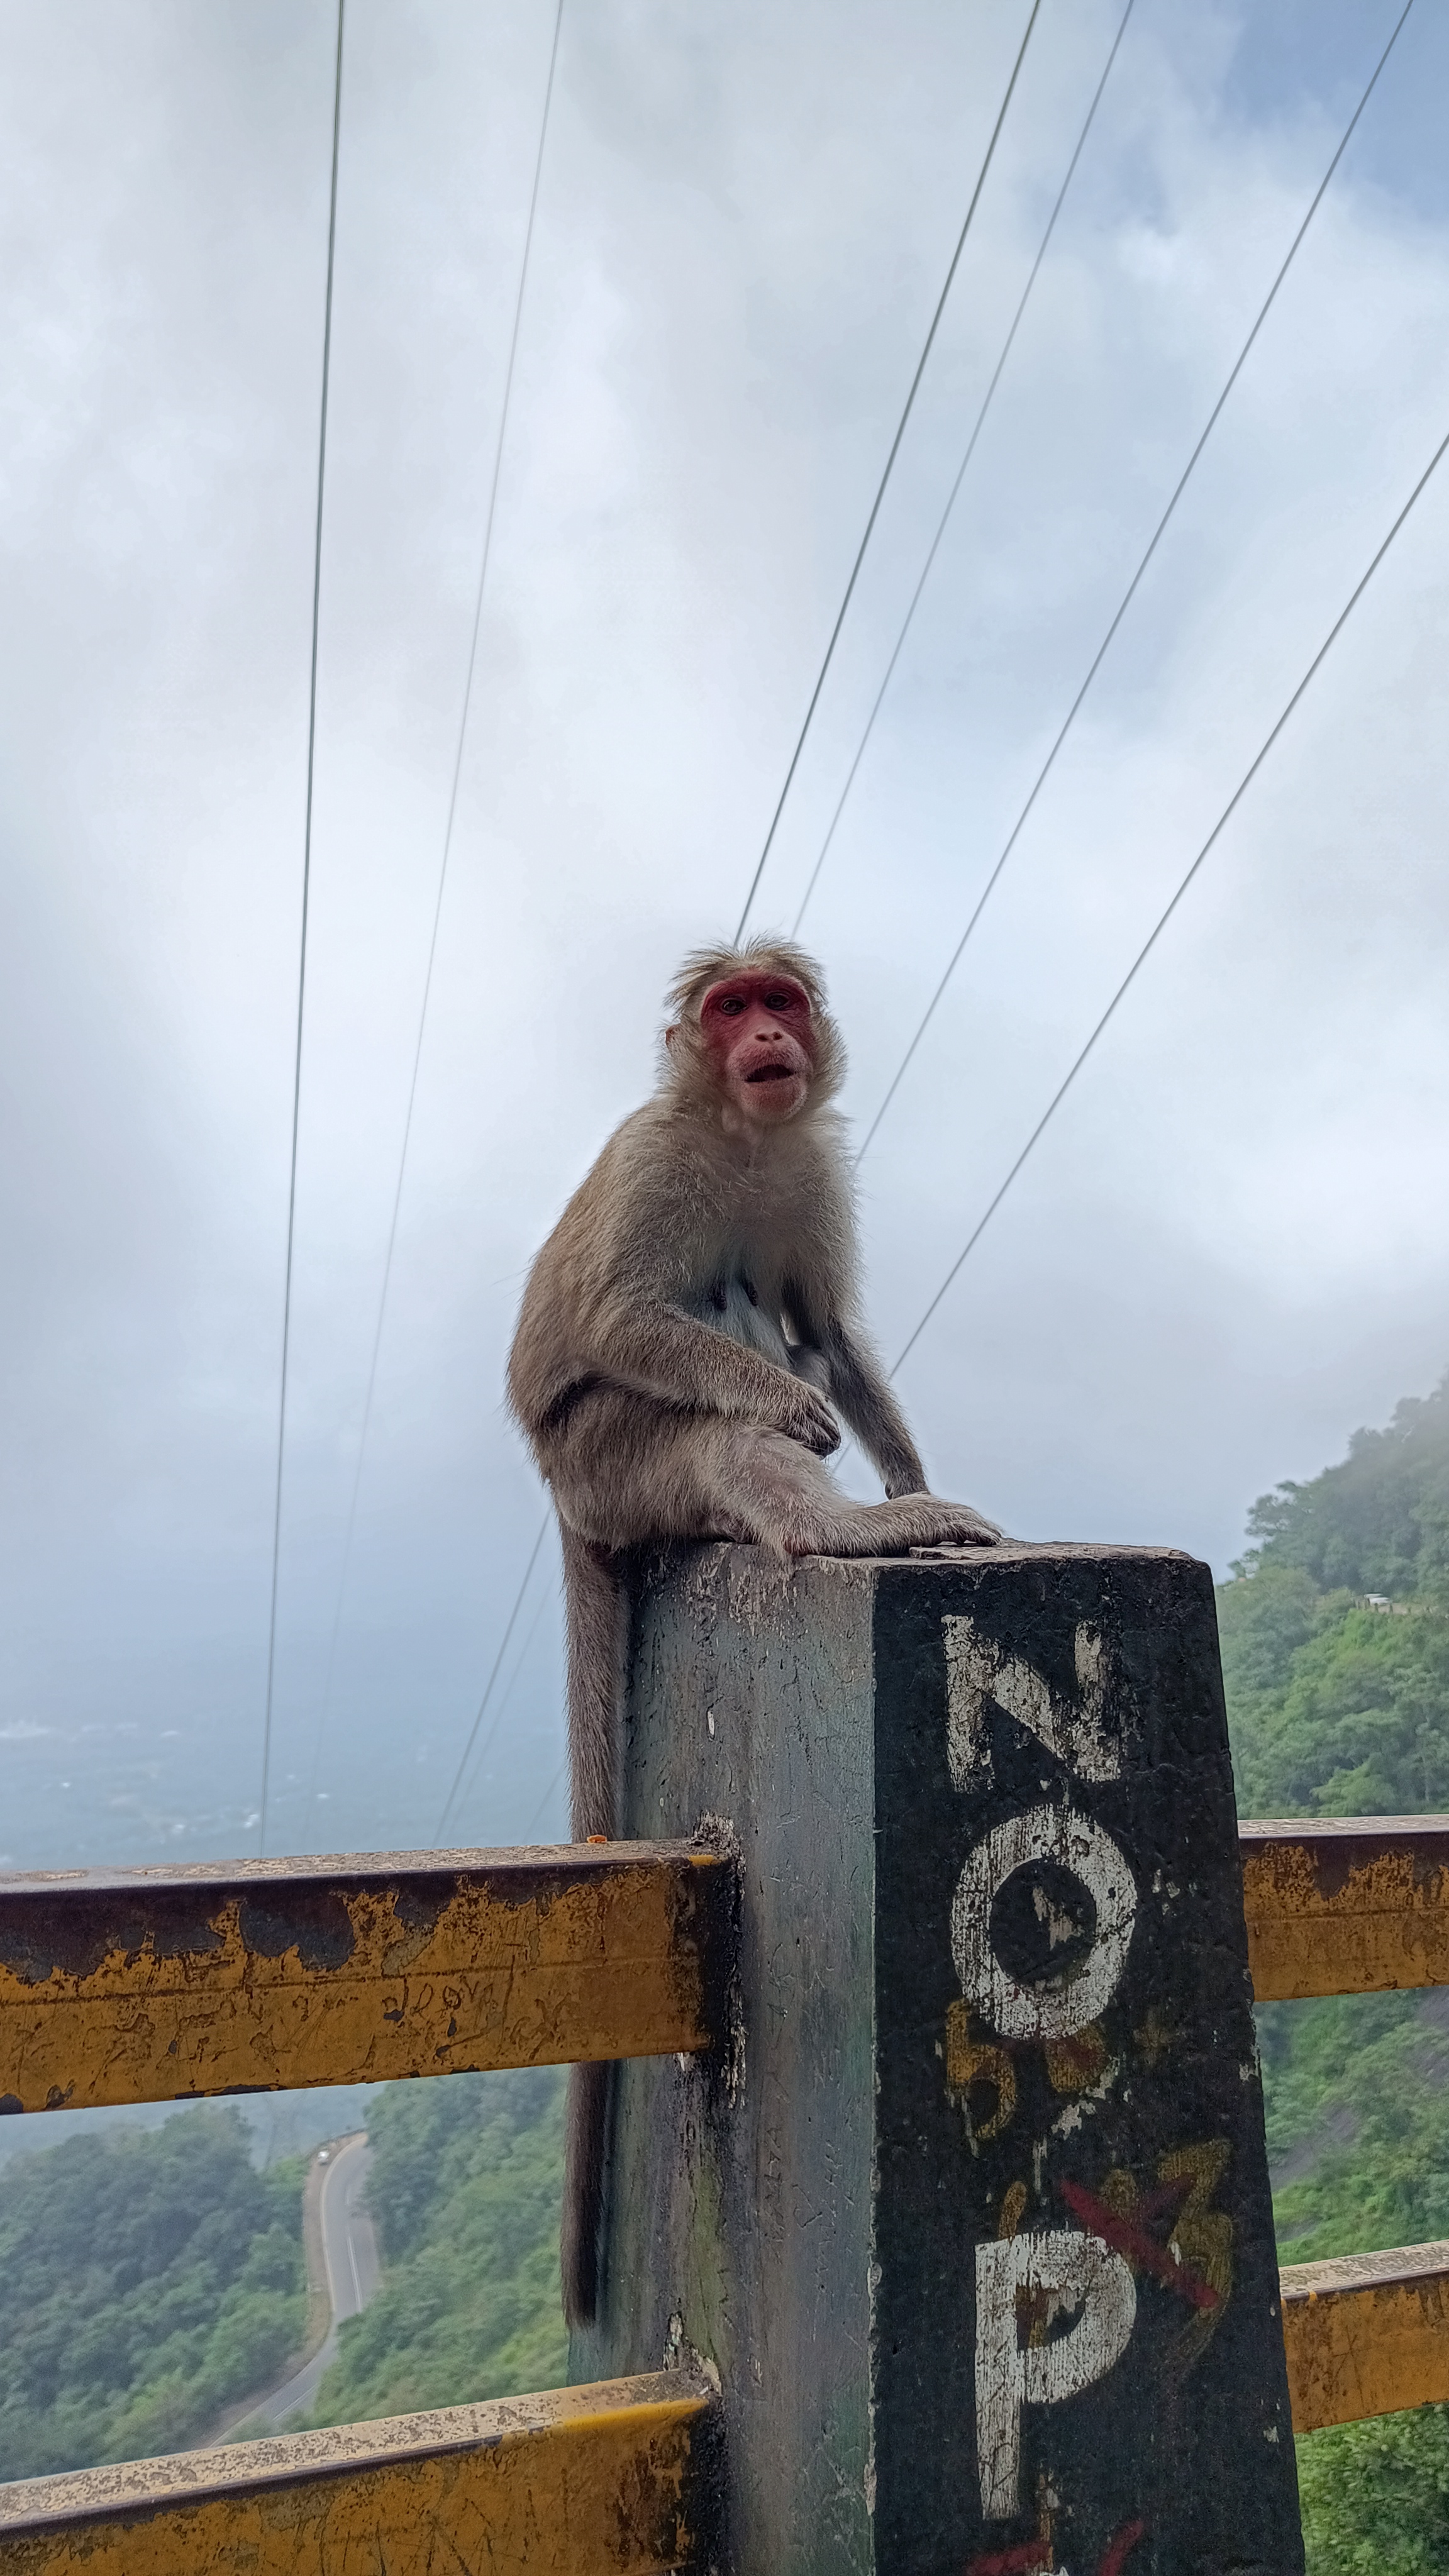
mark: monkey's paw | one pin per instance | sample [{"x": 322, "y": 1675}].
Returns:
[{"x": 811, "y": 1421}]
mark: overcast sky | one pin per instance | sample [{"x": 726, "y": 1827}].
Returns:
[{"x": 1231, "y": 1247}]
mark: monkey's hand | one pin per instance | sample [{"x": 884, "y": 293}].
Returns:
[{"x": 805, "y": 1416}]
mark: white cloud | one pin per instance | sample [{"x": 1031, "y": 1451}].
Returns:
[{"x": 1230, "y": 1247}]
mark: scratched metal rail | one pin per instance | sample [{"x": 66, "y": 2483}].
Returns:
[
  {"x": 168, "y": 1984},
  {"x": 613, "y": 2480}
]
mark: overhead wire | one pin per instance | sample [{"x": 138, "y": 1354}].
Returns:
[
  {"x": 895, "y": 444},
  {"x": 1128, "y": 595},
  {"x": 492, "y": 1678},
  {"x": 1165, "y": 916},
  {"x": 397, "y": 1196},
  {"x": 511, "y": 1685},
  {"x": 546, "y": 1800},
  {"x": 970, "y": 450},
  {"x": 263, "y": 1797}
]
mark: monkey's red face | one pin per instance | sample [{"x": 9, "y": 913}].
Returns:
[{"x": 759, "y": 1037}]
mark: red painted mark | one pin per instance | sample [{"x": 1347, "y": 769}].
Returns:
[
  {"x": 1125, "y": 2238},
  {"x": 1031, "y": 2554},
  {"x": 1019, "y": 2561},
  {"x": 1120, "y": 2547}
]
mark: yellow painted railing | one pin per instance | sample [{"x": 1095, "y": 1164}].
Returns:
[
  {"x": 614, "y": 2480},
  {"x": 175, "y": 1984},
  {"x": 1355, "y": 1905},
  {"x": 170, "y": 1985}
]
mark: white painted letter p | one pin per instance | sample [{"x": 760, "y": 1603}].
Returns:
[{"x": 1067, "y": 2270}]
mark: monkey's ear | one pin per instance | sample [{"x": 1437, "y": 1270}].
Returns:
[{"x": 671, "y": 1034}]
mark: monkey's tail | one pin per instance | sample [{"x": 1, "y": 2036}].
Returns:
[
  {"x": 597, "y": 1642},
  {"x": 597, "y": 1647},
  {"x": 586, "y": 2148}
]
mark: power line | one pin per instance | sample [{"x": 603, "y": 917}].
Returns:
[
  {"x": 1150, "y": 943},
  {"x": 511, "y": 1685},
  {"x": 886, "y": 476},
  {"x": 438, "y": 900},
  {"x": 1006, "y": 348},
  {"x": 302, "y": 948},
  {"x": 492, "y": 1678},
  {"x": 547, "y": 1798},
  {"x": 1128, "y": 595}
]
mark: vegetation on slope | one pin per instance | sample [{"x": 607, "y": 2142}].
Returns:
[
  {"x": 147, "y": 2278},
  {"x": 1338, "y": 1708},
  {"x": 465, "y": 2187}
]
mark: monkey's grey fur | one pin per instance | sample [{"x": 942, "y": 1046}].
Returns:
[{"x": 680, "y": 1334}]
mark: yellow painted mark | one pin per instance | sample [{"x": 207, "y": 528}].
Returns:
[
  {"x": 613, "y": 2480},
  {"x": 1367, "y": 2335},
  {"x": 168, "y": 1985},
  {"x": 1352, "y": 1906},
  {"x": 977, "y": 2061}
]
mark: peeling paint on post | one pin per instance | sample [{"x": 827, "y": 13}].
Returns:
[{"x": 973, "y": 2218}]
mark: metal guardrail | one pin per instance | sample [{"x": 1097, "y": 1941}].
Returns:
[
  {"x": 614, "y": 2480},
  {"x": 175, "y": 1984},
  {"x": 1366, "y": 2335},
  {"x": 1355, "y": 1905},
  {"x": 171, "y": 1984},
  {"x": 1347, "y": 1905}
]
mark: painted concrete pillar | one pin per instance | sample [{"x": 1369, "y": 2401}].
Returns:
[{"x": 973, "y": 2221}]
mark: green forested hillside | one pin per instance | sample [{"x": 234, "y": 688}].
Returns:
[
  {"x": 465, "y": 2186},
  {"x": 1339, "y": 1708},
  {"x": 147, "y": 2277}
]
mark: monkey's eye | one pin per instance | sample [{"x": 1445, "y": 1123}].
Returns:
[
  {"x": 730, "y": 1003},
  {"x": 779, "y": 1002}
]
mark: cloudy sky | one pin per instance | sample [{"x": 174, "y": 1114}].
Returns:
[{"x": 1231, "y": 1247}]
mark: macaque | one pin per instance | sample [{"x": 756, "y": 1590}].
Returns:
[{"x": 687, "y": 1347}]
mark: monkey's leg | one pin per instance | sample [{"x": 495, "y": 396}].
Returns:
[
  {"x": 793, "y": 1505},
  {"x": 631, "y": 1473}
]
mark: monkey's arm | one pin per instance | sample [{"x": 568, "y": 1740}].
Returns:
[
  {"x": 840, "y": 1359},
  {"x": 655, "y": 1349},
  {"x": 862, "y": 1395}
]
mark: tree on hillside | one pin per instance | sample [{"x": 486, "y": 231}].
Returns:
[
  {"x": 1379, "y": 1522},
  {"x": 147, "y": 2277},
  {"x": 1335, "y": 1708}
]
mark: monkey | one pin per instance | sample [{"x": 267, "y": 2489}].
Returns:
[{"x": 687, "y": 1338}]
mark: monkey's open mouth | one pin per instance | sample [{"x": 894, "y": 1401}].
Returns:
[{"x": 772, "y": 1073}]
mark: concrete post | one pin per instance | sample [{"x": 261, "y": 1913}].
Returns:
[{"x": 974, "y": 2224}]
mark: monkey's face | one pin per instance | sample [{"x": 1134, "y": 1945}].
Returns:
[{"x": 760, "y": 1044}]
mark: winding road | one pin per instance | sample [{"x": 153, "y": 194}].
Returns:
[{"x": 342, "y": 2261}]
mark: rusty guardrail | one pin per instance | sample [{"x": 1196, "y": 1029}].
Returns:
[
  {"x": 1347, "y": 1905},
  {"x": 167, "y": 1985},
  {"x": 1367, "y": 2334},
  {"x": 174, "y": 1984},
  {"x": 613, "y": 2480},
  {"x": 1355, "y": 1905}
]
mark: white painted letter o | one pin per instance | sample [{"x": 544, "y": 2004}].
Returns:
[{"x": 1050, "y": 2010}]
